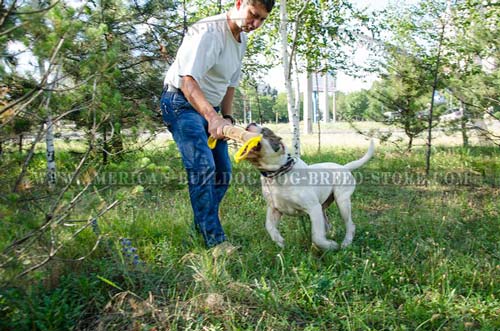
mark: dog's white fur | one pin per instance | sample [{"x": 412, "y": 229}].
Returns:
[{"x": 284, "y": 198}]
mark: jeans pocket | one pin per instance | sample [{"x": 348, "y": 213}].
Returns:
[
  {"x": 166, "y": 110},
  {"x": 179, "y": 103},
  {"x": 172, "y": 105}
]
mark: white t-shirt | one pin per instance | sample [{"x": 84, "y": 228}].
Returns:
[{"x": 212, "y": 56}]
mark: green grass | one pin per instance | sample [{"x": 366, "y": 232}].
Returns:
[{"x": 424, "y": 258}]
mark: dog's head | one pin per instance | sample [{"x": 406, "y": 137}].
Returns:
[{"x": 269, "y": 153}]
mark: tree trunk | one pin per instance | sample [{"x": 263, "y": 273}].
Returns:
[
  {"x": 117, "y": 141},
  {"x": 104, "y": 144},
  {"x": 410, "y": 143},
  {"x": 431, "y": 109},
  {"x": 463, "y": 125},
  {"x": 292, "y": 112},
  {"x": 307, "y": 114},
  {"x": 334, "y": 100},
  {"x": 326, "y": 111},
  {"x": 318, "y": 111},
  {"x": 49, "y": 134},
  {"x": 247, "y": 110},
  {"x": 20, "y": 143},
  {"x": 258, "y": 105},
  {"x": 245, "y": 118},
  {"x": 297, "y": 89},
  {"x": 51, "y": 159}
]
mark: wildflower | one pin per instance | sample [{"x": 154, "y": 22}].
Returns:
[{"x": 129, "y": 252}]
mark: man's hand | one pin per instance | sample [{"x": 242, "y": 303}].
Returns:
[{"x": 215, "y": 125}]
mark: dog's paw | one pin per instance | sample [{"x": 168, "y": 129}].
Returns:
[
  {"x": 280, "y": 243},
  {"x": 327, "y": 245},
  {"x": 346, "y": 243},
  {"x": 277, "y": 238},
  {"x": 333, "y": 246}
]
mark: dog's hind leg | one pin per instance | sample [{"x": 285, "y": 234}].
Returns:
[
  {"x": 345, "y": 211},
  {"x": 324, "y": 206},
  {"x": 273, "y": 218},
  {"x": 318, "y": 229},
  {"x": 328, "y": 225}
]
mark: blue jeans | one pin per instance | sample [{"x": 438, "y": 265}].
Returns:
[{"x": 208, "y": 171}]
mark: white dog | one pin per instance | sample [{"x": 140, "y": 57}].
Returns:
[{"x": 290, "y": 186}]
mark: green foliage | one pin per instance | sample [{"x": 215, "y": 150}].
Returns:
[
  {"x": 281, "y": 107},
  {"x": 472, "y": 53},
  {"x": 412, "y": 62},
  {"x": 417, "y": 51},
  {"x": 40, "y": 308},
  {"x": 354, "y": 106},
  {"x": 107, "y": 56}
]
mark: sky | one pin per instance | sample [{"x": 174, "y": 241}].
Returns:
[{"x": 345, "y": 83}]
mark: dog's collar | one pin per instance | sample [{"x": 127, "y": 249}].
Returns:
[{"x": 290, "y": 162}]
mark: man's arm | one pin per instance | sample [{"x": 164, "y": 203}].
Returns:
[
  {"x": 197, "y": 99},
  {"x": 227, "y": 102}
]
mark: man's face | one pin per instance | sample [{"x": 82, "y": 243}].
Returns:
[{"x": 250, "y": 17}]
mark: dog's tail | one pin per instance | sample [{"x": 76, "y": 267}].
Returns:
[{"x": 358, "y": 163}]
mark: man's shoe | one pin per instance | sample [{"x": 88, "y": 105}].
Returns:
[{"x": 225, "y": 248}]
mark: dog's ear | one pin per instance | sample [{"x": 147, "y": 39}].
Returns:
[
  {"x": 253, "y": 127},
  {"x": 272, "y": 138}
]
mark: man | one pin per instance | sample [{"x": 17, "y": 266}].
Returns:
[{"x": 197, "y": 103}]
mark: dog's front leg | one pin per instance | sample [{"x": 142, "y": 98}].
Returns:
[
  {"x": 273, "y": 218},
  {"x": 318, "y": 229}
]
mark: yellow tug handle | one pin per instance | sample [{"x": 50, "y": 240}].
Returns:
[
  {"x": 212, "y": 142},
  {"x": 244, "y": 150},
  {"x": 250, "y": 140}
]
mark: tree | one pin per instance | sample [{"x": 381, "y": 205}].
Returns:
[
  {"x": 356, "y": 105},
  {"x": 287, "y": 58},
  {"x": 412, "y": 67},
  {"x": 456, "y": 44},
  {"x": 280, "y": 108},
  {"x": 472, "y": 58},
  {"x": 96, "y": 63},
  {"x": 315, "y": 36},
  {"x": 404, "y": 93}
]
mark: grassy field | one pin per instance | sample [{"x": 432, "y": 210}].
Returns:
[
  {"x": 425, "y": 257},
  {"x": 357, "y": 134}
]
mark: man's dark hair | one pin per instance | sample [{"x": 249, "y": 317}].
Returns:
[{"x": 269, "y": 4}]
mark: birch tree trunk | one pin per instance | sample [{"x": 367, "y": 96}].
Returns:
[
  {"x": 297, "y": 91},
  {"x": 245, "y": 116},
  {"x": 326, "y": 110},
  {"x": 334, "y": 100},
  {"x": 49, "y": 134},
  {"x": 49, "y": 138},
  {"x": 51, "y": 159},
  {"x": 318, "y": 112},
  {"x": 292, "y": 111},
  {"x": 247, "y": 110},
  {"x": 308, "y": 105}
]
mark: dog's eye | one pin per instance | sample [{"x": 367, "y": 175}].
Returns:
[{"x": 276, "y": 146}]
